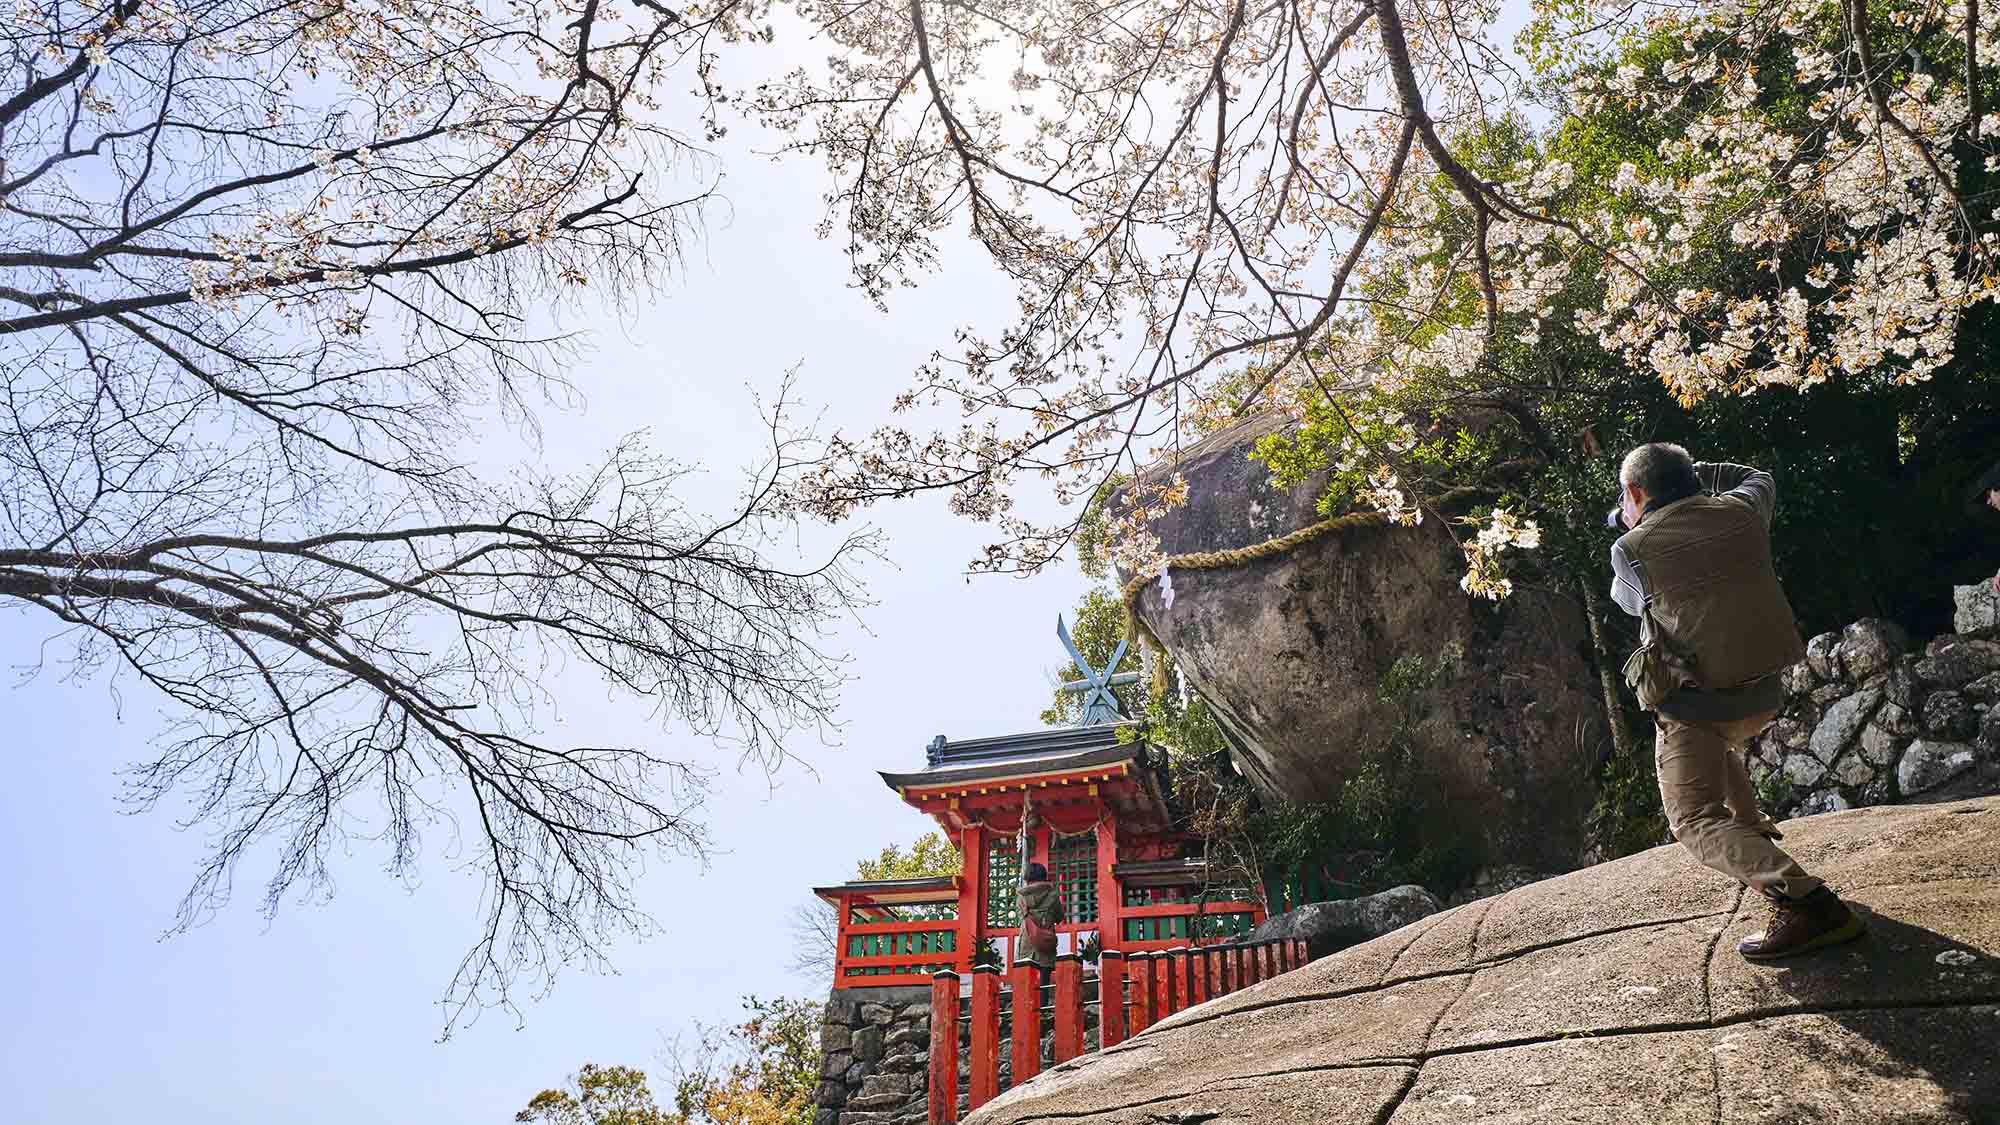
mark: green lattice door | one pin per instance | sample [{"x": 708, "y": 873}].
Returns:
[
  {"x": 1073, "y": 865},
  {"x": 1003, "y": 875}
]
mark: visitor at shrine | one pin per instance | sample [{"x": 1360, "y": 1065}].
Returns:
[
  {"x": 1716, "y": 633},
  {"x": 1041, "y": 912}
]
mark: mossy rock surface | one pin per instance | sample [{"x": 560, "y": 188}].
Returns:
[{"x": 1609, "y": 995}]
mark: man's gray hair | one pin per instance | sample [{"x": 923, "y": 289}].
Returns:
[{"x": 1662, "y": 468}]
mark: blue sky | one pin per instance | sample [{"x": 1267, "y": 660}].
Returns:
[{"x": 328, "y": 1013}]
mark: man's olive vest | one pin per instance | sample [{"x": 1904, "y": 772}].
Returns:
[{"x": 1705, "y": 564}]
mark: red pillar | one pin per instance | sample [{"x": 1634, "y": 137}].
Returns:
[
  {"x": 971, "y": 894},
  {"x": 1231, "y": 979},
  {"x": 1183, "y": 986},
  {"x": 985, "y": 1081},
  {"x": 840, "y": 940},
  {"x": 1163, "y": 985},
  {"x": 1110, "y": 998},
  {"x": 1197, "y": 975},
  {"x": 1140, "y": 966},
  {"x": 1027, "y": 1016},
  {"x": 1069, "y": 1007},
  {"x": 1110, "y": 901},
  {"x": 944, "y": 1048},
  {"x": 1253, "y": 965}
]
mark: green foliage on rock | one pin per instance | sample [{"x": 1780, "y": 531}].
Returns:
[
  {"x": 1392, "y": 823},
  {"x": 1627, "y": 816},
  {"x": 1390, "y": 826}
]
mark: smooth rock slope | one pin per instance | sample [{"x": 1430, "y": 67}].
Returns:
[{"x": 1608, "y": 995}]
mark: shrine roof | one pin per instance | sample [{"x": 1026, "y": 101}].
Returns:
[
  {"x": 894, "y": 890},
  {"x": 1052, "y": 751}
]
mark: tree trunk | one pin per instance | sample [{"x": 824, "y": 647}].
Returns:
[{"x": 1614, "y": 712}]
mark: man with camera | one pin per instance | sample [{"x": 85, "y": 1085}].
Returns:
[{"x": 1716, "y": 633}]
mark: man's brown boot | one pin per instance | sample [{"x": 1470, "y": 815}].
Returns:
[{"x": 1801, "y": 925}]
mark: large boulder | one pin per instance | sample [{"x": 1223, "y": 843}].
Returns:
[
  {"x": 1608, "y": 995},
  {"x": 1331, "y": 926},
  {"x": 1292, "y": 653}
]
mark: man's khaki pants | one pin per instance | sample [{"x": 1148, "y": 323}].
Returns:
[{"x": 1712, "y": 807}]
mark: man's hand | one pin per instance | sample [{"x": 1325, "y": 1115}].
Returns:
[{"x": 1995, "y": 583}]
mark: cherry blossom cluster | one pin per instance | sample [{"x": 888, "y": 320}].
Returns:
[{"x": 1485, "y": 570}]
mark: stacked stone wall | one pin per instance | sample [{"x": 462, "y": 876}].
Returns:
[
  {"x": 875, "y": 1045},
  {"x": 1869, "y": 719}
]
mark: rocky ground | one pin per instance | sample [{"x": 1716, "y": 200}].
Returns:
[{"x": 1608, "y": 995}]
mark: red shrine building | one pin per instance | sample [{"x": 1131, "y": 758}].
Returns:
[{"x": 1100, "y": 819}]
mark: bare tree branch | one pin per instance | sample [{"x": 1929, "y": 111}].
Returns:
[{"x": 265, "y": 269}]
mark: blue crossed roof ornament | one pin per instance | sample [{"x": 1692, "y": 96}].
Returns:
[{"x": 1099, "y": 704}]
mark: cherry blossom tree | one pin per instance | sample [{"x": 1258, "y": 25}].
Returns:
[
  {"x": 268, "y": 270},
  {"x": 1214, "y": 206}
]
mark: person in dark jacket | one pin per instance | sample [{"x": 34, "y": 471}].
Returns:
[
  {"x": 1041, "y": 912},
  {"x": 1697, "y": 564}
]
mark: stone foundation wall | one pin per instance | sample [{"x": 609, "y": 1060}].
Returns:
[
  {"x": 876, "y": 1050},
  {"x": 1869, "y": 720},
  {"x": 876, "y": 1053}
]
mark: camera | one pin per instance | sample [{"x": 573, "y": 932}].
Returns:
[{"x": 1613, "y": 518}]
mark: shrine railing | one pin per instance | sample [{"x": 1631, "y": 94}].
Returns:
[
  {"x": 1289, "y": 890},
  {"x": 900, "y": 941},
  {"x": 886, "y": 953},
  {"x": 1132, "y": 993},
  {"x": 1165, "y": 925}
]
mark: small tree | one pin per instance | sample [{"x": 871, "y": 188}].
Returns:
[
  {"x": 762, "y": 1071},
  {"x": 929, "y": 856},
  {"x": 598, "y": 1095}
]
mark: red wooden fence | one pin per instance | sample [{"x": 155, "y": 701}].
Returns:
[{"x": 1134, "y": 992}]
